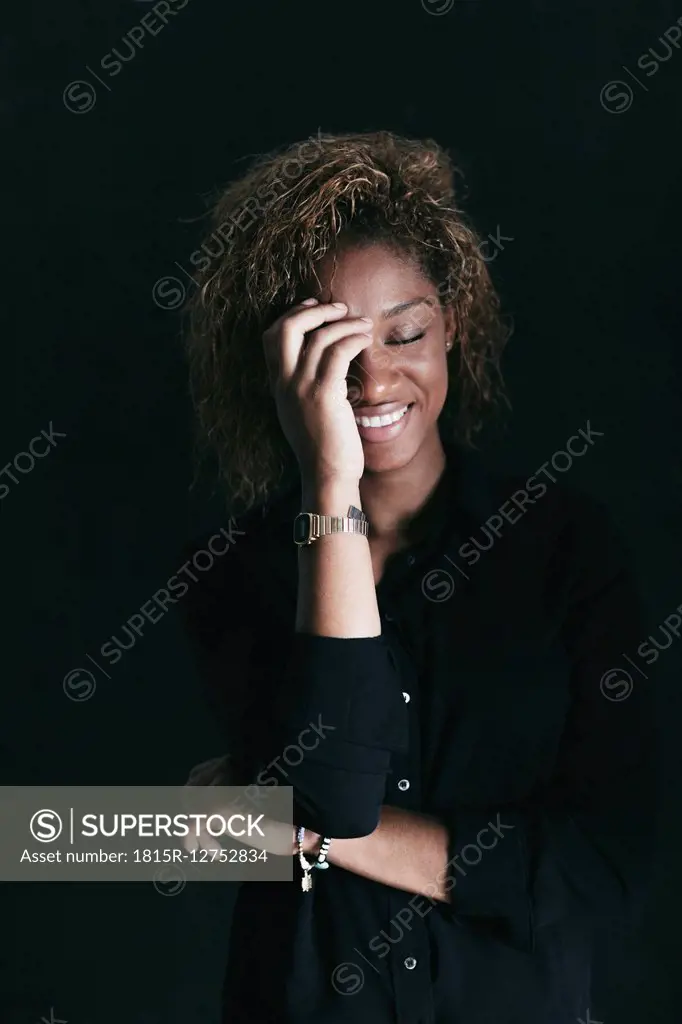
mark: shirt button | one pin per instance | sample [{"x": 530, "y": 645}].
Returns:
[
  {"x": 406, "y": 697},
  {"x": 411, "y": 559},
  {"x": 403, "y": 784},
  {"x": 388, "y": 618},
  {"x": 410, "y": 963}
]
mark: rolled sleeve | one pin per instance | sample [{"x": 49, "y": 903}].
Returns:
[
  {"x": 321, "y": 714},
  {"x": 345, "y": 692},
  {"x": 349, "y": 683}
]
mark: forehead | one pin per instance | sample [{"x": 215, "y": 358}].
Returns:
[{"x": 365, "y": 276}]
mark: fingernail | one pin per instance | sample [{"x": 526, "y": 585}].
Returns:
[
  {"x": 309, "y": 302},
  {"x": 367, "y": 319},
  {"x": 339, "y": 305}
]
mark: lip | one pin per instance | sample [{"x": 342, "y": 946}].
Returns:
[
  {"x": 379, "y": 410},
  {"x": 388, "y": 433}
]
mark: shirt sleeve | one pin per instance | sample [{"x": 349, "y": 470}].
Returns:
[
  {"x": 582, "y": 848},
  {"x": 321, "y": 714}
]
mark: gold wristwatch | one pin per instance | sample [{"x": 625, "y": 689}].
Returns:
[{"x": 308, "y": 526}]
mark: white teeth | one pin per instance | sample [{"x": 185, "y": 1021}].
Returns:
[{"x": 381, "y": 421}]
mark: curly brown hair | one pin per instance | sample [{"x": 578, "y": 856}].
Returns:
[{"x": 269, "y": 230}]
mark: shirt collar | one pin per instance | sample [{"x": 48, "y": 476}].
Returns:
[
  {"x": 463, "y": 499},
  {"x": 474, "y": 486}
]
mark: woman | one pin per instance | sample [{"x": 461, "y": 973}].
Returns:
[{"x": 483, "y": 793}]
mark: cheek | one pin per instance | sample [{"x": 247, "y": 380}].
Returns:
[
  {"x": 431, "y": 373},
  {"x": 440, "y": 391}
]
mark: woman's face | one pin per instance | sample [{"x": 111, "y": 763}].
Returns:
[{"x": 406, "y": 364}]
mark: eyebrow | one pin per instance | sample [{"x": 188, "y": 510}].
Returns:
[{"x": 403, "y": 306}]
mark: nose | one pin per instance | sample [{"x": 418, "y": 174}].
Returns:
[{"x": 374, "y": 376}]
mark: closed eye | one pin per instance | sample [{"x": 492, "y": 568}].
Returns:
[{"x": 406, "y": 341}]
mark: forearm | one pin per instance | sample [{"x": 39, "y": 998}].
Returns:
[
  {"x": 336, "y": 592},
  {"x": 407, "y": 851}
]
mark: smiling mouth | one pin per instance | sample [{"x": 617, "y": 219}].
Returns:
[
  {"x": 385, "y": 427},
  {"x": 383, "y": 421}
]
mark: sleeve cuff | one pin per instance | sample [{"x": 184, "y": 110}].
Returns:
[{"x": 347, "y": 687}]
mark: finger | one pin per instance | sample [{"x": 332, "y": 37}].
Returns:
[
  {"x": 283, "y": 340},
  {"x": 190, "y": 842},
  {"x": 271, "y": 338},
  {"x": 297, "y": 326},
  {"x": 336, "y": 359},
  {"x": 207, "y": 841},
  {"x": 317, "y": 341}
]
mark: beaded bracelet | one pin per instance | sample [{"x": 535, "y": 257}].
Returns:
[{"x": 306, "y": 865}]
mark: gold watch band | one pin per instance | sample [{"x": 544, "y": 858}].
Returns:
[
  {"x": 309, "y": 526},
  {"x": 321, "y": 526}
]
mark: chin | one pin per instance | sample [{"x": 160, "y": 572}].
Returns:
[{"x": 391, "y": 456}]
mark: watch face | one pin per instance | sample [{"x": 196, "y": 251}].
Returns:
[{"x": 302, "y": 528}]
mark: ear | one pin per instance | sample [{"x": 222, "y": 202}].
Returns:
[{"x": 450, "y": 327}]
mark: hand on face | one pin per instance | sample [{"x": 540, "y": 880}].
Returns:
[{"x": 308, "y": 352}]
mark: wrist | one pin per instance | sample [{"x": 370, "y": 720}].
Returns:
[
  {"x": 330, "y": 497},
  {"x": 311, "y": 843}
]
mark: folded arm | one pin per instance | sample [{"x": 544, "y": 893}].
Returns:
[
  {"x": 407, "y": 851},
  {"x": 317, "y": 706}
]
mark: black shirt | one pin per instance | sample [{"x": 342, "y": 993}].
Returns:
[{"x": 486, "y": 703}]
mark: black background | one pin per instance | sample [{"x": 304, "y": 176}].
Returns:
[{"x": 100, "y": 205}]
